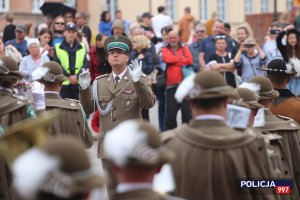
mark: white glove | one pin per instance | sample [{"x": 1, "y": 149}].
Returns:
[
  {"x": 38, "y": 95},
  {"x": 135, "y": 70},
  {"x": 84, "y": 79}
]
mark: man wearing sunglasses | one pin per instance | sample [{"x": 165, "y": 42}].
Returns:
[{"x": 199, "y": 33}]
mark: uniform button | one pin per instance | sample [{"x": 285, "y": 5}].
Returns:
[
  {"x": 115, "y": 108},
  {"x": 260, "y": 148},
  {"x": 78, "y": 123},
  {"x": 114, "y": 119},
  {"x": 282, "y": 158}
]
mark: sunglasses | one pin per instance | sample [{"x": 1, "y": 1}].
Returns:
[{"x": 60, "y": 23}]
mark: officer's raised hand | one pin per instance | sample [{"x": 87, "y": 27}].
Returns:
[
  {"x": 38, "y": 95},
  {"x": 84, "y": 79},
  {"x": 135, "y": 70}
]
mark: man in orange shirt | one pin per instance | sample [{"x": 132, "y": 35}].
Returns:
[{"x": 184, "y": 25}]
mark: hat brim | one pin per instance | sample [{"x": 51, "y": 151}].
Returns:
[
  {"x": 293, "y": 72},
  {"x": 87, "y": 184},
  {"x": 18, "y": 75},
  {"x": 270, "y": 95}
]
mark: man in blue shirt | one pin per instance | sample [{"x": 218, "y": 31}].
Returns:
[
  {"x": 19, "y": 42},
  {"x": 207, "y": 47}
]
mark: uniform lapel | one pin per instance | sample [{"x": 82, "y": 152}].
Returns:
[{"x": 110, "y": 83}]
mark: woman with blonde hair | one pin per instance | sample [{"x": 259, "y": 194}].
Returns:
[{"x": 142, "y": 52}]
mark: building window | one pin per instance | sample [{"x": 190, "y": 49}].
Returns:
[
  {"x": 111, "y": 7},
  {"x": 4, "y": 5},
  {"x": 289, "y": 5},
  {"x": 36, "y": 4},
  {"x": 264, "y": 6},
  {"x": 203, "y": 10},
  {"x": 170, "y": 7},
  {"x": 221, "y": 7},
  {"x": 248, "y": 7},
  {"x": 71, "y": 3}
]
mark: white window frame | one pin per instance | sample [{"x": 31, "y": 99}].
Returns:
[
  {"x": 170, "y": 7},
  {"x": 4, "y": 5},
  {"x": 248, "y": 7},
  {"x": 36, "y": 4},
  {"x": 289, "y": 5},
  {"x": 221, "y": 9},
  {"x": 265, "y": 6},
  {"x": 203, "y": 10},
  {"x": 111, "y": 6},
  {"x": 71, "y": 3}
]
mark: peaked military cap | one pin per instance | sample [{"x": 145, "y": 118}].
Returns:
[
  {"x": 9, "y": 68},
  {"x": 144, "y": 148},
  {"x": 266, "y": 88},
  {"x": 118, "y": 42},
  {"x": 278, "y": 65},
  {"x": 50, "y": 72}
]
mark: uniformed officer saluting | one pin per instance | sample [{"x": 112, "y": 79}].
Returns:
[
  {"x": 72, "y": 120},
  {"x": 121, "y": 94}
]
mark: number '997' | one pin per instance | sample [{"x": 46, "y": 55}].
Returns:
[{"x": 283, "y": 190}]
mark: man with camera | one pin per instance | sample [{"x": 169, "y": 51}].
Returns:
[{"x": 270, "y": 46}]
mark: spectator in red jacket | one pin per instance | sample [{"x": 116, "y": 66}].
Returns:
[{"x": 175, "y": 56}]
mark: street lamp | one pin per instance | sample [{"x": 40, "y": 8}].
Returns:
[{"x": 275, "y": 18}]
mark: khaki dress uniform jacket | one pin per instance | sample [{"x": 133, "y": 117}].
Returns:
[
  {"x": 211, "y": 158},
  {"x": 14, "y": 109},
  {"x": 287, "y": 105},
  {"x": 121, "y": 103},
  {"x": 72, "y": 119},
  {"x": 289, "y": 130}
]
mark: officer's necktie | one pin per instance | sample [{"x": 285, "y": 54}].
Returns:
[{"x": 117, "y": 78}]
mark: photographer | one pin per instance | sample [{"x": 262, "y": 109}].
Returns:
[
  {"x": 250, "y": 57},
  {"x": 270, "y": 46}
]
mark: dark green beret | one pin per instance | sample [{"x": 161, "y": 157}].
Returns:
[{"x": 118, "y": 42}]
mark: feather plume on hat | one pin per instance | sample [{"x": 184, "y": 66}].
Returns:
[
  {"x": 39, "y": 73},
  {"x": 254, "y": 87},
  {"x": 185, "y": 88},
  {"x": 114, "y": 146}
]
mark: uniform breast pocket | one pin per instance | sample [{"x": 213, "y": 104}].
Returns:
[
  {"x": 129, "y": 101},
  {"x": 103, "y": 101}
]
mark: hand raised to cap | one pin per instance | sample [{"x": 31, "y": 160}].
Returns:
[
  {"x": 135, "y": 70},
  {"x": 84, "y": 79}
]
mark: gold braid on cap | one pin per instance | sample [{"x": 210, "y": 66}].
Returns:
[{"x": 146, "y": 154}]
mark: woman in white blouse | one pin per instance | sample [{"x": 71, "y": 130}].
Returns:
[{"x": 33, "y": 60}]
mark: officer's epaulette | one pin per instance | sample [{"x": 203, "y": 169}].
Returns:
[{"x": 102, "y": 76}]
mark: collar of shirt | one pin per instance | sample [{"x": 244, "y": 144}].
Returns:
[
  {"x": 125, "y": 187},
  {"x": 209, "y": 116},
  {"x": 51, "y": 92},
  {"x": 120, "y": 75}
]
